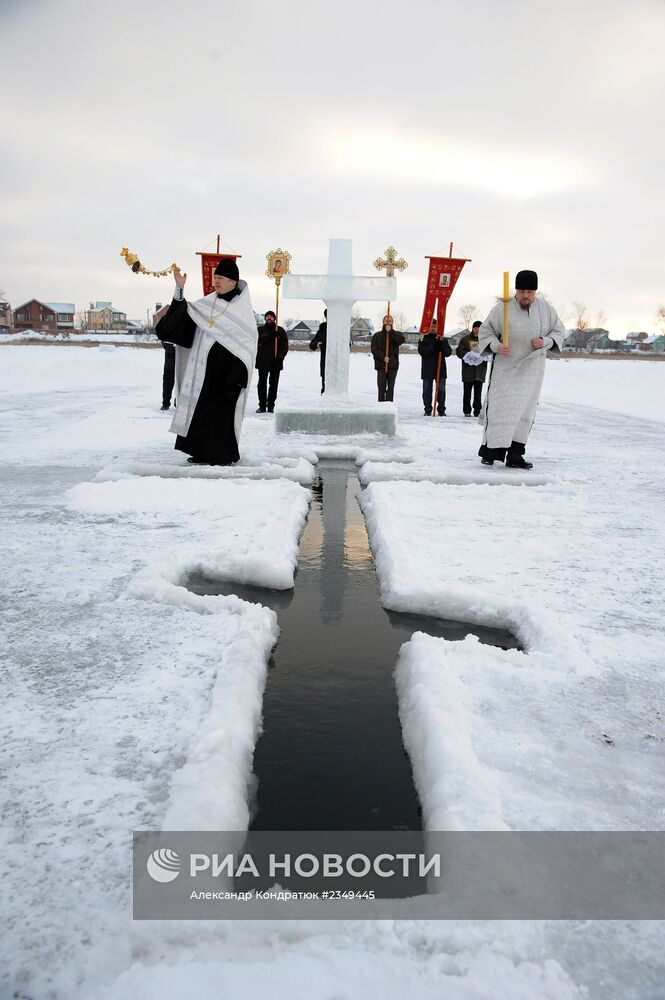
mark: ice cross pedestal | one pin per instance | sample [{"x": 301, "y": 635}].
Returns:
[{"x": 339, "y": 289}]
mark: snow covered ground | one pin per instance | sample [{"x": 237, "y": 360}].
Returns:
[{"x": 130, "y": 703}]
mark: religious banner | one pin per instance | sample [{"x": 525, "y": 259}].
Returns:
[
  {"x": 209, "y": 262},
  {"x": 278, "y": 264},
  {"x": 278, "y": 268},
  {"x": 442, "y": 278}
]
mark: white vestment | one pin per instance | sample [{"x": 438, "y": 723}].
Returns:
[
  {"x": 516, "y": 378},
  {"x": 234, "y": 327}
]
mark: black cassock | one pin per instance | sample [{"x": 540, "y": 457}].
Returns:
[{"x": 211, "y": 436}]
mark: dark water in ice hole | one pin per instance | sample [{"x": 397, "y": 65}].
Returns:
[{"x": 331, "y": 755}]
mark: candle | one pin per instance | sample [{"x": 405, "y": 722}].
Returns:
[{"x": 506, "y": 303}]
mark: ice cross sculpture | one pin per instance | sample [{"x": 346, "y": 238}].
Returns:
[{"x": 339, "y": 289}]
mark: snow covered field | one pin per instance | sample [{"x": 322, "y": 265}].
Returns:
[{"x": 131, "y": 703}]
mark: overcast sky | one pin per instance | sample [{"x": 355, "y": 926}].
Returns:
[{"x": 528, "y": 132}]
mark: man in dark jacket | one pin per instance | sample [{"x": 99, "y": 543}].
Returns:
[
  {"x": 473, "y": 375},
  {"x": 273, "y": 348},
  {"x": 385, "y": 351},
  {"x": 431, "y": 347},
  {"x": 319, "y": 340}
]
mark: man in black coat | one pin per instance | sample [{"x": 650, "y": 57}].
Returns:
[
  {"x": 273, "y": 348},
  {"x": 473, "y": 375},
  {"x": 319, "y": 340},
  {"x": 385, "y": 347},
  {"x": 431, "y": 347}
]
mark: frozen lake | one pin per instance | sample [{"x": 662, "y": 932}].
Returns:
[{"x": 132, "y": 702}]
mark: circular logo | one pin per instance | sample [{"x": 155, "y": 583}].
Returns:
[{"x": 163, "y": 865}]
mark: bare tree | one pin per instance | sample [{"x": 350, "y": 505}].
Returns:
[
  {"x": 601, "y": 319},
  {"x": 467, "y": 315},
  {"x": 660, "y": 317},
  {"x": 580, "y": 313},
  {"x": 400, "y": 321}
]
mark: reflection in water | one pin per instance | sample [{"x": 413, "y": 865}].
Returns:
[{"x": 331, "y": 755}]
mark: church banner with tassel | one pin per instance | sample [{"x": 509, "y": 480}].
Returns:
[
  {"x": 209, "y": 262},
  {"x": 442, "y": 278}
]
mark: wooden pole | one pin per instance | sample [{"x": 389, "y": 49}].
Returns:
[
  {"x": 217, "y": 242},
  {"x": 440, "y": 327},
  {"x": 506, "y": 307},
  {"x": 276, "y": 317},
  {"x": 439, "y": 333}
]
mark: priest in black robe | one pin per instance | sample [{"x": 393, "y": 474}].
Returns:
[{"x": 216, "y": 337}]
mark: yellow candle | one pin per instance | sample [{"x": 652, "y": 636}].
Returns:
[
  {"x": 506, "y": 290},
  {"x": 506, "y": 302}
]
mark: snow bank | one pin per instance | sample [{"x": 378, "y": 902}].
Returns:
[
  {"x": 448, "y": 560},
  {"x": 498, "y": 740},
  {"x": 233, "y": 529},
  {"x": 373, "y": 472},
  {"x": 327, "y": 972},
  {"x": 299, "y": 470}
]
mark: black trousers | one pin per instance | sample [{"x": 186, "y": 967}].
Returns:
[
  {"x": 477, "y": 388},
  {"x": 498, "y": 454},
  {"x": 386, "y": 384},
  {"x": 268, "y": 392},
  {"x": 168, "y": 377}
]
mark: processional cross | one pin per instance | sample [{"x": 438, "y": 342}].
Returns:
[{"x": 389, "y": 264}]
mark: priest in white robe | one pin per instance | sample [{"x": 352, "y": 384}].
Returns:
[
  {"x": 216, "y": 338},
  {"x": 518, "y": 370}
]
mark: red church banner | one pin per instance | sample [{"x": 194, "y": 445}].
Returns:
[
  {"x": 209, "y": 262},
  {"x": 442, "y": 278}
]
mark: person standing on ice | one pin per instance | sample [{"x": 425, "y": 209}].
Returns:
[
  {"x": 168, "y": 374},
  {"x": 430, "y": 348},
  {"x": 273, "y": 348},
  {"x": 518, "y": 369},
  {"x": 385, "y": 347},
  {"x": 319, "y": 340},
  {"x": 474, "y": 369},
  {"x": 220, "y": 335}
]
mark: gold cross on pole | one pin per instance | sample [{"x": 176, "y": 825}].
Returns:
[{"x": 389, "y": 264}]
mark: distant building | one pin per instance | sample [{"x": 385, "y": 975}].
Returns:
[
  {"x": 654, "y": 345},
  {"x": 455, "y": 336},
  {"x": 412, "y": 335},
  {"x": 303, "y": 329},
  {"x": 104, "y": 317},
  {"x": 585, "y": 340},
  {"x": 5, "y": 317},
  {"x": 44, "y": 317},
  {"x": 637, "y": 338},
  {"x": 362, "y": 328},
  {"x": 599, "y": 341}
]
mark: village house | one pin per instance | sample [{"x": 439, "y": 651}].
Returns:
[
  {"x": 303, "y": 329},
  {"x": 362, "y": 329},
  {"x": 653, "y": 345},
  {"x": 44, "y": 317},
  {"x": 104, "y": 318}
]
